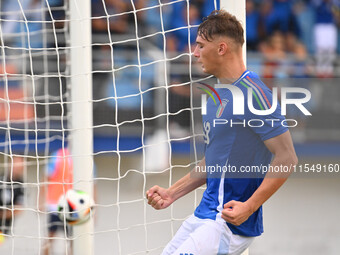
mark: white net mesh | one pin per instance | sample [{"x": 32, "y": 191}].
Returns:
[
  {"x": 144, "y": 117},
  {"x": 33, "y": 92}
]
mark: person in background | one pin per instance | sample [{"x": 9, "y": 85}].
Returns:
[
  {"x": 177, "y": 43},
  {"x": 325, "y": 36},
  {"x": 275, "y": 16},
  {"x": 274, "y": 54},
  {"x": 116, "y": 24},
  {"x": 207, "y": 6},
  {"x": 11, "y": 195},
  {"x": 59, "y": 178},
  {"x": 252, "y": 24},
  {"x": 178, "y": 40}
]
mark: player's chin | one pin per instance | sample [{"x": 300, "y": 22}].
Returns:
[{"x": 206, "y": 70}]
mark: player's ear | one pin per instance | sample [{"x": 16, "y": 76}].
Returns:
[{"x": 222, "y": 48}]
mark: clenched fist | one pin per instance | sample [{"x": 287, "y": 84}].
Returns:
[{"x": 159, "y": 198}]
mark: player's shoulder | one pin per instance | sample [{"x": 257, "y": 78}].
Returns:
[
  {"x": 251, "y": 79},
  {"x": 251, "y": 84}
]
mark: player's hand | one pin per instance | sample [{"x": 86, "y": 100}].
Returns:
[
  {"x": 159, "y": 198},
  {"x": 236, "y": 212}
]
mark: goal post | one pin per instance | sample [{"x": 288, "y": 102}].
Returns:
[
  {"x": 238, "y": 8},
  {"x": 81, "y": 137}
]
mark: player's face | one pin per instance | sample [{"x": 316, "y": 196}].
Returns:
[{"x": 206, "y": 53}]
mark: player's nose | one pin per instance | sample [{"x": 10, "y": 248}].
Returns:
[{"x": 196, "y": 52}]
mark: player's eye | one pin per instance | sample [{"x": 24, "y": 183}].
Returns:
[{"x": 198, "y": 45}]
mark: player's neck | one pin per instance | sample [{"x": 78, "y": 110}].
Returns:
[{"x": 233, "y": 68}]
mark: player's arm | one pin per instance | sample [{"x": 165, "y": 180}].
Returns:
[
  {"x": 281, "y": 146},
  {"x": 160, "y": 198}
]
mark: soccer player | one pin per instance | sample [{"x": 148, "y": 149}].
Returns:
[
  {"x": 59, "y": 173},
  {"x": 60, "y": 178},
  {"x": 229, "y": 215},
  {"x": 11, "y": 195}
]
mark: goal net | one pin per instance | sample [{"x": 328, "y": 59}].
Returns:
[{"x": 132, "y": 78}]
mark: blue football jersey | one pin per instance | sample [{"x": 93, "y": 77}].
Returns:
[{"x": 235, "y": 142}]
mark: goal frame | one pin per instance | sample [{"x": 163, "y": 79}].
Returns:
[
  {"x": 238, "y": 8},
  {"x": 81, "y": 135}
]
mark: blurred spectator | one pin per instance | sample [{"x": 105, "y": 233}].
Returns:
[
  {"x": 278, "y": 15},
  {"x": 325, "y": 36},
  {"x": 274, "y": 52},
  {"x": 208, "y": 6},
  {"x": 12, "y": 29},
  {"x": 285, "y": 56},
  {"x": 57, "y": 12},
  {"x": 305, "y": 17},
  {"x": 252, "y": 25},
  {"x": 35, "y": 28},
  {"x": 299, "y": 68},
  {"x": 116, "y": 22},
  {"x": 11, "y": 194},
  {"x": 178, "y": 40},
  {"x": 153, "y": 22},
  {"x": 274, "y": 47},
  {"x": 266, "y": 13},
  {"x": 10, "y": 14},
  {"x": 285, "y": 18},
  {"x": 137, "y": 5}
]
